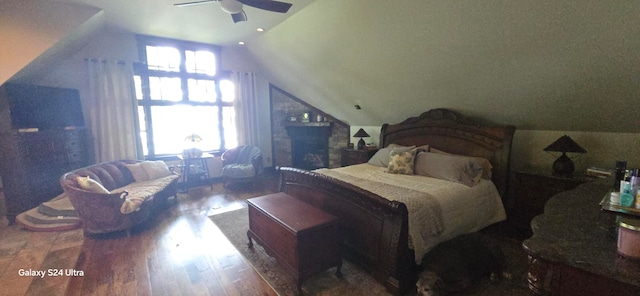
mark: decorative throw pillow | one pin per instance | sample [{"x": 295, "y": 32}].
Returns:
[
  {"x": 155, "y": 169},
  {"x": 89, "y": 184},
  {"x": 382, "y": 157},
  {"x": 138, "y": 172},
  {"x": 401, "y": 162},
  {"x": 463, "y": 170}
]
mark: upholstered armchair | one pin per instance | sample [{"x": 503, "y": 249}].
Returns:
[{"x": 241, "y": 164}]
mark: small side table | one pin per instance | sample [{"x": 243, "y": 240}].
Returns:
[
  {"x": 351, "y": 156},
  {"x": 195, "y": 171}
]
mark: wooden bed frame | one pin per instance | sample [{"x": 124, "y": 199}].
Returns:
[{"x": 373, "y": 229}]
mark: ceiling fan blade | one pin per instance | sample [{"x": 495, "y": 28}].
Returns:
[
  {"x": 275, "y": 6},
  {"x": 239, "y": 17},
  {"x": 185, "y": 4}
]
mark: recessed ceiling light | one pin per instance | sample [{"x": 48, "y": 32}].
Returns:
[
  {"x": 260, "y": 29},
  {"x": 241, "y": 42}
]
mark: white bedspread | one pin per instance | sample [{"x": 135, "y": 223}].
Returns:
[{"x": 464, "y": 209}]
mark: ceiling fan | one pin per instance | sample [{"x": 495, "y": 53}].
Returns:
[{"x": 234, "y": 7}]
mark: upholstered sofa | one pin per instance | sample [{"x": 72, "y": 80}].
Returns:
[{"x": 113, "y": 196}]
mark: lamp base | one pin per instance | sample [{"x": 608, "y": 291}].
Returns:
[
  {"x": 563, "y": 166},
  {"x": 361, "y": 144}
]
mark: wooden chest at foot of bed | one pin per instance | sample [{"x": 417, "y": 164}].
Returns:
[{"x": 303, "y": 238}]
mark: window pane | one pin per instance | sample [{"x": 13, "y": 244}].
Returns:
[
  {"x": 143, "y": 130},
  {"x": 171, "y": 124},
  {"x": 229, "y": 124},
  {"x": 228, "y": 91},
  {"x": 202, "y": 90},
  {"x": 163, "y": 58},
  {"x": 137, "y": 82},
  {"x": 165, "y": 88},
  {"x": 201, "y": 61}
]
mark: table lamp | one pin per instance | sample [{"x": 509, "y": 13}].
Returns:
[
  {"x": 563, "y": 166},
  {"x": 361, "y": 134},
  {"x": 192, "y": 150}
]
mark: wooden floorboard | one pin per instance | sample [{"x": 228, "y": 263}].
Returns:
[{"x": 180, "y": 252}]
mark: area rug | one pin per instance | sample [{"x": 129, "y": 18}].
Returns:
[
  {"x": 355, "y": 281},
  {"x": 58, "y": 214}
]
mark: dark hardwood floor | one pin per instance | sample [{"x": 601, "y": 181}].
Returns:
[{"x": 180, "y": 252}]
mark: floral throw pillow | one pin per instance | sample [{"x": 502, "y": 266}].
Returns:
[{"x": 401, "y": 162}]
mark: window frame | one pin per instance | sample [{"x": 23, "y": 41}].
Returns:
[{"x": 142, "y": 70}]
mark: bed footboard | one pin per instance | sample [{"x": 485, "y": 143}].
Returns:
[{"x": 374, "y": 231}]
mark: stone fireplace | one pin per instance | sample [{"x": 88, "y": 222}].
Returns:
[{"x": 307, "y": 145}]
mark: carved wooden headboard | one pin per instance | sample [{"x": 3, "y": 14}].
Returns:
[{"x": 451, "y": 132}]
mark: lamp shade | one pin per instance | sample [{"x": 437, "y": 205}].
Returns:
[
  {"x": 361, "y": 134},
  {"x": 565, "y": 144},
  {"x": 563, "y": 166}
]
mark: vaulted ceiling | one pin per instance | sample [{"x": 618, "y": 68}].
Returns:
[{"x": 542, "y": 65}]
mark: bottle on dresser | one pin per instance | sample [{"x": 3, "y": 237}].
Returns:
[
  {"x": 626, "y": 198},
  {"x": 634, "y": 182},
  {"x": 621, "y": 167}
]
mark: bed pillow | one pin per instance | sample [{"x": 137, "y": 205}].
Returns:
[
  {"x": 419, "y": 148},
  {"x": 382, "y": 157},
  {"x": 485, "y": 163},
  {"x": 401, "y": 162},
  {"x": 463, "y": 170},
  {"x": 92, "y": 185},
  {"x": 156, "y": 169}
]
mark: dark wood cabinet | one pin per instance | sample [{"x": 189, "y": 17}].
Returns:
[
  {"x": 352, "y": 156},
  {"x": 303, "y": 238},
  {"x": 31, "y": 164},
  {"x": 532, "y": 191},
  {"x": 573, "y": 248}
]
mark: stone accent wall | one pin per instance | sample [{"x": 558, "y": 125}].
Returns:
[{"x": 284, "y": 105}]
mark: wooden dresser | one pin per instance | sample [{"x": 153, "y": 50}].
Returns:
[
  {"x": 31, "y": 164},
  {"x": 303, "y": 238},
  {"x": 573, "y": 247}
]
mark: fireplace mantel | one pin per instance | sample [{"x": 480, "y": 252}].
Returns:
[{"x": 308, "y": 129}]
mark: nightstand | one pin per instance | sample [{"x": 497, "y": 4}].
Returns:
[
  {"x": 352, "y": 156},
  {"x": 532, "y": 191}
]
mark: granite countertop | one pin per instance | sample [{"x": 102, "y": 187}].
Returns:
[{"x": 574, "y": 231}]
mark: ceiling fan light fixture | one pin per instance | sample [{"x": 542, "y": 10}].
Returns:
[{"x": 231, "y": 6}]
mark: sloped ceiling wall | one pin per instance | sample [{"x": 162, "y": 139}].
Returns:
[
  {"x": 34, "y": 33},
  {"x": 540, "y": 65}
]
